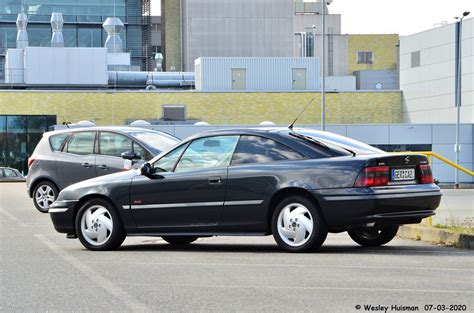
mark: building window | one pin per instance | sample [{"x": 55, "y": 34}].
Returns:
[
  {"x": 415, "y": 59},
  {"x": 19, "y": 135},
  {"x": 365, "y": 57}
]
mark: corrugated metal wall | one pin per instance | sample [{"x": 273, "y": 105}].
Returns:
[{"x": 262, "y": 74}]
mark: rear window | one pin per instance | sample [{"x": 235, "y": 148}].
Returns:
[
  {"x": 56, "y": 141},
  {"x": 255, "y": 149},
  {"x": 341, "y": 141},
  {"x": 81, "y": 143},
  {"x": 156, "y": 140}
]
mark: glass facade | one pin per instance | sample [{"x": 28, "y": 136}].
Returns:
[
  {"x": 82, "y": 24},
  {"x": 19, "y": 135}
]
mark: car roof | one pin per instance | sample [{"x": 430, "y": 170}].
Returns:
[
  {"x": 122, "y": 129},
  {"x": 268, "y": 131}
]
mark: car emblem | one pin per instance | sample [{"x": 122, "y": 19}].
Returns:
[{"x": 407, "y": 160}]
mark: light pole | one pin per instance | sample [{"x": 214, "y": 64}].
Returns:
[
  {"x": 458, "y": 41},
  {"x": 323, "y": 64}
]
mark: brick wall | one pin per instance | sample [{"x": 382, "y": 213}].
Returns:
[
  {"x": 384, "y": 48},
  {"x": 107, "y": 108}
]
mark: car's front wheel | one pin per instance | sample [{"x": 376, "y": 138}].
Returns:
[
  {"x": 179, "y": 240},
  {"x": 297, "y": 225},
  {"x": 372, "y": 237},
  {"x": 98, "y": 226},
  {"x": 44, "y": 195}
]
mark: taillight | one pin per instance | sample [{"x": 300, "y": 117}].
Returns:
[
  {"x": 373, "y": 176},
  {"x": 426, "y": 177},
  {"x": 30, "y": 162}
]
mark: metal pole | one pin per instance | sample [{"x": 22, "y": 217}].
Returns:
[
  {"x": 323, "y": 74},
  {"x": 458, "y": 100}
]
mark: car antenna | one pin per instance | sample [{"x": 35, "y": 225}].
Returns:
[{"x": 293, "y": 123}]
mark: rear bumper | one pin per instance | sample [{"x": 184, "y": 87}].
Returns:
[
  {"x": 62, "y": 215},
  {"x": 383, "y": 205}
]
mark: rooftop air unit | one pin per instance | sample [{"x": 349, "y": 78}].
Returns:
[{"x": 174, "y": 112}]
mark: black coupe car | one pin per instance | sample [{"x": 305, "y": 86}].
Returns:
[{"x": 295, "y": 184}]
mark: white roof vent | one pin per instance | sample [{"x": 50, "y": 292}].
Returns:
[
  {"x": 22, "y": 35},
  {"x": 267, "y": 123},
  {"x": 85, "y": 123},
  {"x": 201, "y": 124},
  {"x": 57, "y": 40},
  {"x": 113, "y": 26},
  {"x": 139, "y": 123}
]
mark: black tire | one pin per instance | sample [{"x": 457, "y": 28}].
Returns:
[
  {"x": 179, "y": 240},
  {"x": 313, "y": 240},
  {"x": 115, "y": 237},
  {"x": 41, "y": 187},
  {"x": 368, "y": 237}
]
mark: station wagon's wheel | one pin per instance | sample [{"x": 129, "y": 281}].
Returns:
[
  {"x": 44, "y": 195},
  {"x": 371, "y": 237},
  {"x": 297, "y": 225},
  {"x": 179, "y": 240},
  {"x": 98, "y": 226}
]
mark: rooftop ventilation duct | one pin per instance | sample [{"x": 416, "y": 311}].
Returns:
[
  {"x": 22, "y": 35},
  {"x": 113, "y": 26},
  {"x": 57, "y": 40}
]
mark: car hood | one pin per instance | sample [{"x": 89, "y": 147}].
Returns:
[{"x": 98, "y": 185}]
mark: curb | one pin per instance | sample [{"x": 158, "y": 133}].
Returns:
[{"x": 438, "y": 236}]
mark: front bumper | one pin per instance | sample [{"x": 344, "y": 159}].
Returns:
[
  {"x": 62, "y": 215},
  {"x": 382, "y": 205}
]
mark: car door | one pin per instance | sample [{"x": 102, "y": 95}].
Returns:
[
  {"x": 188, "y": 190},
  {"x": 110, "y": 148},
  {"x": 77, "y": 160},
  {"x": 252, "y": 181}
]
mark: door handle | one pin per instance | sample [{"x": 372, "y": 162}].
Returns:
[
  {"x": 215, "y": 180},
  {"x": 103, "y": 167},
  {"x": 86, "y": 165}
]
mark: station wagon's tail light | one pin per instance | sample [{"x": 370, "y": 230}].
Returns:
[
  {"x": 426, "y": 177},
  {"x": 30, "y": 162},
  {"x": 373, "y": 176}
]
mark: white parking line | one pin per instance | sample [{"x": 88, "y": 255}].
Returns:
[
  {"x": 305, "y": 266},
  {"x": 13, "y": 218},
  {"x": 130, "y": 301},
  {"x": 197, "y": 286}
]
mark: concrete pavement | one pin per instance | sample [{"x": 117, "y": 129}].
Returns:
[{"x": 42, "y": 271}]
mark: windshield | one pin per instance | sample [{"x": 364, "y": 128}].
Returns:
[
  {"x": 338, "y": 140},
  {"x": 159, "y": 141}
]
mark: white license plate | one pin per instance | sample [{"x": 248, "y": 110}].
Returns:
[{"x": 403, "y": 174}]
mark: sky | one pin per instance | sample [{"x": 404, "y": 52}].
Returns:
[{"x": 403, "y": 17}]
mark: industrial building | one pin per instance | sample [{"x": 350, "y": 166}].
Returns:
[
  {"x": 427, "y": 75},
  {"x": 277, "y": 28},
  {"x": 82, "y": 26}
]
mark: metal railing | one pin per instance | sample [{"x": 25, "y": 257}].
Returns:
[{"x": 431, "y": 154}]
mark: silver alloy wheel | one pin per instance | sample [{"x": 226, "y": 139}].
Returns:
[
  {"x": 96, "y": 225},
  {"x": 295, "y": 224},
  {"x": 44, "y": 196}
]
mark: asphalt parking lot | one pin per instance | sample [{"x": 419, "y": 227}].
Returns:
[{"x": 41, "y": 271}]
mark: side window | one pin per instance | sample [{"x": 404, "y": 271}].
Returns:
[
  {"x": 113, "y": 144},
  {"x": 255, "y": 149},
  {"x": 9, "y": 173},
  {"x": 56, "y": 141},
  {"x": 168, "y": 162},
  {"x": 1, "y": 173},
  {"x": 81, "y": 143},
  {"x": 140, "y": 152},
  {"x": 208, "y": 152}
]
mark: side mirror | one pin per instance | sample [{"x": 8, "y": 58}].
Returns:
[
  {"x": 146, "y": 169},
  {"x": 128, "y": 155}
]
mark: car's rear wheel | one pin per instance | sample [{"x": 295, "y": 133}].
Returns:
[
  {"x": 297, "y": 225},
  {"x": 98, "y": 226},
  {"x": 179, "y": 240},
  {"x": 44, "y": 194},
  {"x": 372, "y": 237}
]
